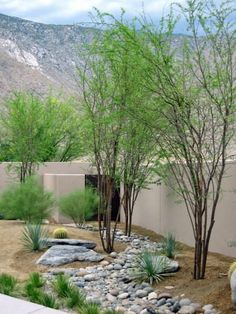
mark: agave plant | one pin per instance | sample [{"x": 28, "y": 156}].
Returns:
[
  {"x": 35, "y": 237},
  {"x": 169, "y": 246},
  {"x": 149, "y": 266}
]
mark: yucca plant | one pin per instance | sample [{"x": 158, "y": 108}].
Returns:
[
  {"x": 149, "y": 266},
  {"x": 34, "y": 237},
  {"x": 75, "y": 298},
  {"x": 7, "y": 284},
  {"x": 89, "y": 308},
  {"x": 62, "y": 286},
  {"x": 169, "y": 246}
]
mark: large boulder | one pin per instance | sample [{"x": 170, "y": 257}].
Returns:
[
  {"x": 64, "y": 254},
  {"x": 76, "y": 242}
]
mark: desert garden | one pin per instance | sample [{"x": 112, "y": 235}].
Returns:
[
  {"x": 153, "y": 110},
  {"x": 103, "y": 282}
]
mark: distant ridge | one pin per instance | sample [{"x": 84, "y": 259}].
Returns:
[{"x": 39, "y": 57}]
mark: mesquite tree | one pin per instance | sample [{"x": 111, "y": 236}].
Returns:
[
  {"x": 38, "y": 130},
  {"x": 103, "y": 122},
  {"x": 138, "y": 152},
  {"x": 193, "y": 108},
  {"x": 122, "y": 150}
]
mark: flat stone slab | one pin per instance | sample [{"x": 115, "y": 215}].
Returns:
[
  {"x": 76, "y": 242},
  {"x": 64, "y": 254}
]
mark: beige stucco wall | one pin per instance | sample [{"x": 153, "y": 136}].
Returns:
[
  {"x": 74, "y": 167},
  {"x": 62, "y": 184},
  {"x": 158, "y": 210}
]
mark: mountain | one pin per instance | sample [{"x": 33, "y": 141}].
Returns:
[{"x": 39, "y": 57}]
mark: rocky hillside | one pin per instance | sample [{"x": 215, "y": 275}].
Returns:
[{"x": 39, "y": 57}]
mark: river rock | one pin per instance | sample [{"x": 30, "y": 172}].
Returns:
[
  {"x": 114, "y": 292},
  {"x": 187, "y": 309},
  {"x": 63, "y": 254},
  {"x": 184, "y": 302},
  {"x": 113, "y": 254},
  {"x": 152, "y": 296},
  {"x": 90, "y": 277},
  {"x": 141, "y": 293},
  {"x": 123, "y": 296}
]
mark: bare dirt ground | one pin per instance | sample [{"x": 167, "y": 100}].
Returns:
[{"x": 214, "y": 289}]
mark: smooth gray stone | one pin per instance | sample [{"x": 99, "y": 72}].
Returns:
[
  {"x": 76, "y": 242},
  {"x": 187, "y": 309},
  {"x": 63, "y": 254},
  {"x": 184, "y": 302}
]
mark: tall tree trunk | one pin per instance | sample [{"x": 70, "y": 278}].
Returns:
[{"x": 125, "y": 206}]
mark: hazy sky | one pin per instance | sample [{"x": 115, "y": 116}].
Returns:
[{"x": 76, "y": 11}]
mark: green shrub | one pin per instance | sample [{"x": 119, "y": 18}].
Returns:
[
  {"x": 34, "y": 237},
  {"x": 26, "y": 201},
  {"x": 60, "y": 233},
  {"x": 7, "y": 284},
  {"x": 89, "y": 308},
  {"x": 169, "y": 246},
  {"x": 75, "y": 298},
  {"x": 149, "y": 266},
  {"x": 62, "y": 286},
  {"x": 79, "y": 205}
]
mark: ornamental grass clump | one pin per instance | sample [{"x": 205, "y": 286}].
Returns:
[
  {"x": 36, "y": 280},
  {"x": 33, "y": 290},
  {"x": 62, "y": 286},
  {"x": 89, "y": 308},
  {"x": 75, "y": 298},
  {"x": 151, "y": 267},
  {"x": 32, "y": 287},
  {"x": 7, "y": 284},
  {"x": 35, "y": 237},
  {"x": 48, "y": 300},
  {"x": 66, "y": 290}
]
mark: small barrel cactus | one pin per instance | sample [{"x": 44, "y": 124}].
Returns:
[{"x": 60, "y": 233}]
